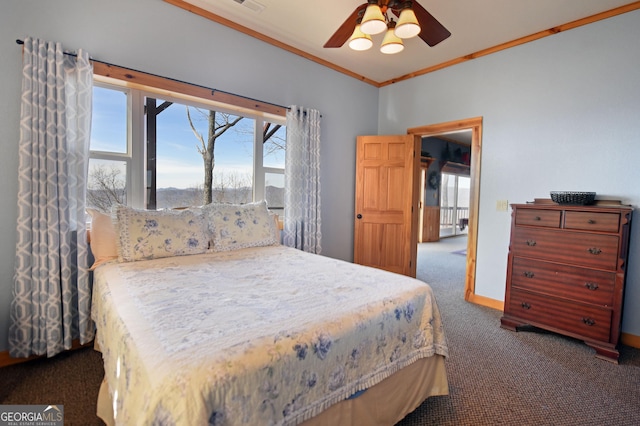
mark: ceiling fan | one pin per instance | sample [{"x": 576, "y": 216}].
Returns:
[{"x": 413, "y": 19}]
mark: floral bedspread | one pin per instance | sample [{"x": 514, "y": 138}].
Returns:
[{"x": 258, "y": 336}]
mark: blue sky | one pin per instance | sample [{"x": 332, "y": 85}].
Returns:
[{"x": 179, "y": 164}]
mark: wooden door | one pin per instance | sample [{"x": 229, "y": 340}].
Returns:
[{"x": 387, "y": 195}]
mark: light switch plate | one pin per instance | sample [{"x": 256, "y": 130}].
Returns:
[{"x": 502, "y": 205}]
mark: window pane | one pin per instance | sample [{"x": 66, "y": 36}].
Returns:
[
  {"x": 182, "y": 135},
  {"x": 454, "y": 204},
  {"x": 233, "y": 173},
  {"x": 179, "y": 165},
  {"x": 274, "y": 191},
  {"x": 106, "y": 184},
  {"x": 447, "y": 205},
  {"x": 274, "y": 145},
  {"x": 109, "y": 120},
  {"x": 464, "y": 184}
]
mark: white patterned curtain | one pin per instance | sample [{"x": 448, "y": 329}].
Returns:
[
  {"x": 51, "y": 295},
  {"x": 302, "y": 222}
]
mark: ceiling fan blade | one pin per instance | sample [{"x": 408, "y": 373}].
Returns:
[
  {"x": 433, "y": 32},
  {"x": 343, "y": 33}
]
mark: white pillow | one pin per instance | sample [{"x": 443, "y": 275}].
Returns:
[
  {"x": 102, "y": 238},
  {"x": 276, "y": 225},
  {"x": 151, "y": 234},
  {"x": 236, "y": 226}
]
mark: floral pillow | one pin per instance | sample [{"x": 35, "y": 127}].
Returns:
[
  {"x": 150, "y": 234},
  {"x": 236, "y": 226}
]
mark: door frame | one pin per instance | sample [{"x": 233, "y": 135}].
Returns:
[{"x": 475, "y": 125}]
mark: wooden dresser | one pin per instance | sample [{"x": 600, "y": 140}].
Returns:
[{"x": 566, "y": 271}]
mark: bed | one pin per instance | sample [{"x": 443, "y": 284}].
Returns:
[{"x": 259, "y": 334}]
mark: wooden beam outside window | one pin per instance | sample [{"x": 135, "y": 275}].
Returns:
[{"x": 141, "y": 80}]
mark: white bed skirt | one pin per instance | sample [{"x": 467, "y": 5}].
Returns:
[{"x": 384, "y": 404}]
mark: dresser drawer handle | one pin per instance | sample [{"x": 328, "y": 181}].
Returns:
[
  {"x": 589, "y": 321},
  {"x": 528, "y": 274},
  {"x": 595, "y": 250},
  {"x": 591, "y": 221},
  {"x": 531, "y": 243},
  {"x": 537, "y": 218},
  {"x": 525, "y": 305},
  {"x": 591, "y": 286}
]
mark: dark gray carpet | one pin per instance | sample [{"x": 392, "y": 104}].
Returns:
[
  {"x": 526, "y": 378},
  {"x": 71, "y": 379},
  {"x": 496, "y": 377}
]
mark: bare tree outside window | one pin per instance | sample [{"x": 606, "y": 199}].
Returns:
[
  {"x": 218, "y": 124},
  {"x": 106, "y": 187},
  {"x": 232, "y": 187}
]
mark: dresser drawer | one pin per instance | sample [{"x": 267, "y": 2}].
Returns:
[
  {"x": 569, "y": 282},
  {"x": 592, "y": 221},
  {"x": 575, "y": 248},
  {"x": 590, "y": 322},
  {"x": 538, "y": 217}
]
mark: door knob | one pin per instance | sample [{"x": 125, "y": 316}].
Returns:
[{"x": 359, "y": 216}]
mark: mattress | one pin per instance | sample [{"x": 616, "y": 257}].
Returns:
[{"x": 267, "y": 335}]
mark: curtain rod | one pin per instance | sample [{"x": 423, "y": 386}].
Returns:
[{"x": 213, "y": 91}]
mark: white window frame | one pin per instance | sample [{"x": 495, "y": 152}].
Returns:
[{"x": 135, "y": 157}]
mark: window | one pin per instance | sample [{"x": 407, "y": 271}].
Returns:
[
  {"x": 110, "y": 158},
  {"x": 454, "y": 204},
  {"x": 272, "y": 169},
  {"x": 150, "y": 150}
]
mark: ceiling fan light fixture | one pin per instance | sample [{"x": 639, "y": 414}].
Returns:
[
  {"x": 391, "y": 43},
  {"x": 373, "y": 21},
  {"x": 359, "y": 40},
  {"x": 407, "y": 26}
]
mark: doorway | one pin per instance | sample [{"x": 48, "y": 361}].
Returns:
[{"x": 474, "y": 126}]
